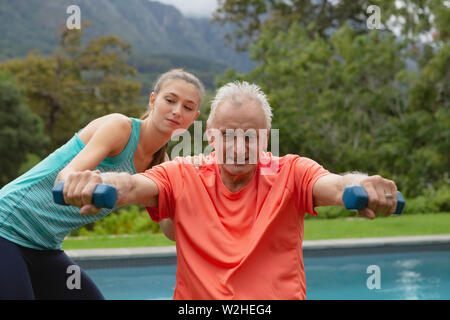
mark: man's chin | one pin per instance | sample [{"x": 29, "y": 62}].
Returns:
[{"x": 239, "y": 169}]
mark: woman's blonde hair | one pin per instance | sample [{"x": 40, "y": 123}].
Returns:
[{"x": 174, "y": 74}]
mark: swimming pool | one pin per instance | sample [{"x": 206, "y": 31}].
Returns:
[{"x": 409, "y": 275}]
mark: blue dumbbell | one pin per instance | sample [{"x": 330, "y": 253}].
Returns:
[
  {"x": 104, "y": 196},
  {"x": 356, "y": 198}
]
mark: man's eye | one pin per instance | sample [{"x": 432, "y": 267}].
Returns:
[{"x": 169, "y": 100}]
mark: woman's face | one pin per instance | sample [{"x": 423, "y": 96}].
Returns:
[{"x": 176, "y": 106}]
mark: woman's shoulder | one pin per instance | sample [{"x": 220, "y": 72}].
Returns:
[
  {"x": 116, "y": 120},
  {"x": 115, "y": 126}
]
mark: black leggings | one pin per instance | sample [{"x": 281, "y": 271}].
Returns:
[{"x": 42, "y": 274}]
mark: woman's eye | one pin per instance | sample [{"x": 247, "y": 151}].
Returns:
[
  {"x": 169, "y": 100},
  {"x": 188, "y": 108}
]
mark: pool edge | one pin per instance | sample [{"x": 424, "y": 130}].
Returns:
[{"x": 118, "y": 257}]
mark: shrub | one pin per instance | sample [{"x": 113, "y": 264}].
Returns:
[
  {"x": 432, "y": 201},
  {"x": 128, "y": 220}
]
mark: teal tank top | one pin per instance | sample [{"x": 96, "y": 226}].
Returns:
[{"x": 28, "y": 215}]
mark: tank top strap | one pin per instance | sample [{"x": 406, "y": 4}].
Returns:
[
  {"x": 133, "y": 142},
  {"x": 130, "y": 149}
]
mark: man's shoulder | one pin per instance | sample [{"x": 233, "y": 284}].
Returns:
[
  {"x": 273, "y": 164},
  {"x": 267, "y": 158},
  {"x": 289, "y": 158},
  {"x": 195, "y": 162}
]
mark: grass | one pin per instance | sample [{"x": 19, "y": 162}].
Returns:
[
  {"x": 407, "y": 225},
  {"x": 123, "y": 241},
  {"x": 315, "y": 229}
]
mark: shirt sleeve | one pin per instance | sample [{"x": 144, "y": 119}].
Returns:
[
  {"x": 168, "y": 177},
  {"x": 307, "y": 172}
]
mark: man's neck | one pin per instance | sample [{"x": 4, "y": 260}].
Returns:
[{"x": 235, "y": 182}]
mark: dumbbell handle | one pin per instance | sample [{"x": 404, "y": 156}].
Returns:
[
  {"x": 104, "y": 196},
  {"x": 356, "y": 198}
]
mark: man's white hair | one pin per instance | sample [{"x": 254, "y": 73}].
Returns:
[{"x": 237, "y": 90}]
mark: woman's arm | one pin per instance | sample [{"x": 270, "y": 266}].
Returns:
[
  {"x": 168, "y": 228},
  {"x": 109, "y": 138},
  {"x": 166, "y": 225}
]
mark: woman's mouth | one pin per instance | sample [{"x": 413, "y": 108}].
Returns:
[{"x": 173, "y": 122}]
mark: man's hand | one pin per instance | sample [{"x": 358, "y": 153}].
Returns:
[
  {"x": 79, "y": 188},
  {"x": 382, "y": 195}
]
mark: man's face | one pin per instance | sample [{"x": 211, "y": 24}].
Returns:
[{"x": 238, "y": 134}]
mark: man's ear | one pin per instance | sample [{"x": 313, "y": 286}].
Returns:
[
  {"x": 265, "y": 143},
  {"x": 210, "y": 136}
]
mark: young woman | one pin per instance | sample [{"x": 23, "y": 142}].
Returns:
[{"x": 32, "y": 227}]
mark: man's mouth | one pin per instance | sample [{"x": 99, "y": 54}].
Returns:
[{"x": 236, "y": 162}]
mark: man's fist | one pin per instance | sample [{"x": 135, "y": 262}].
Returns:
[{"x": 382, "y": 195}]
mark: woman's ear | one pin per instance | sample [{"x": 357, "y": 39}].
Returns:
[
  {"x": 151, "y": 102},
  {"x": 196, "y": 116}
]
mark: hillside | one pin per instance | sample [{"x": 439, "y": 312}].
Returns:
[{"x": 159, "y": 34}]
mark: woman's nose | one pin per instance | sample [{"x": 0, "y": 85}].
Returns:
[{"x": 176, "y": 111}]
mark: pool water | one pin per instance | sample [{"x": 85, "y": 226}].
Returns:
[{"x": 411, "y": 275}]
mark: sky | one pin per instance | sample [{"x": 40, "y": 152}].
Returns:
[{"x": 197, "y": 8}]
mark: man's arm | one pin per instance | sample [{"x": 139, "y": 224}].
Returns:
[
  {"x": 328, "y": 191},
  {"x": 135, "y": 189},
  {"x": 140, "y": 190}
]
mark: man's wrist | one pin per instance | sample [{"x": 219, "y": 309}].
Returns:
[{"x": 352, "y": 179}]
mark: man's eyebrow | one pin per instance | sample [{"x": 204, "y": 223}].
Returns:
[{"x": 174, "y": 94}]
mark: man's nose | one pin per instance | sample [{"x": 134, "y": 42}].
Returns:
[{"x": 241, "y": 145}]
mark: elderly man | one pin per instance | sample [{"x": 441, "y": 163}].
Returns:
[{"x": 238, "y": 224}]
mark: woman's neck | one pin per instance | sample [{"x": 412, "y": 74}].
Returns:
[{"x": 150, "y": 138}]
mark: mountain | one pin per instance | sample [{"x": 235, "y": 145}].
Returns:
[{"x": 155, "y": 31}]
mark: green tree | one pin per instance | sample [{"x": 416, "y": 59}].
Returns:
[
  {"x": 78, "y": 83},
  {"x": 251, "y": 17},
  {"x": 21, "y": 131},
  {"x": 351, "y": 98},
  {"x": 350, "y": 103}
]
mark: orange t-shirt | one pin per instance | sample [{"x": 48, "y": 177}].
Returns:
[{"x": 243, "y": 245}]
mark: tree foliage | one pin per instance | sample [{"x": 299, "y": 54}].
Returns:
[
  {"x": 21, "y": 131},
  {"x": 251, "y": 17},
  {"x": 354, "y": 99},
  {"x": 77, "y": 84}
]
